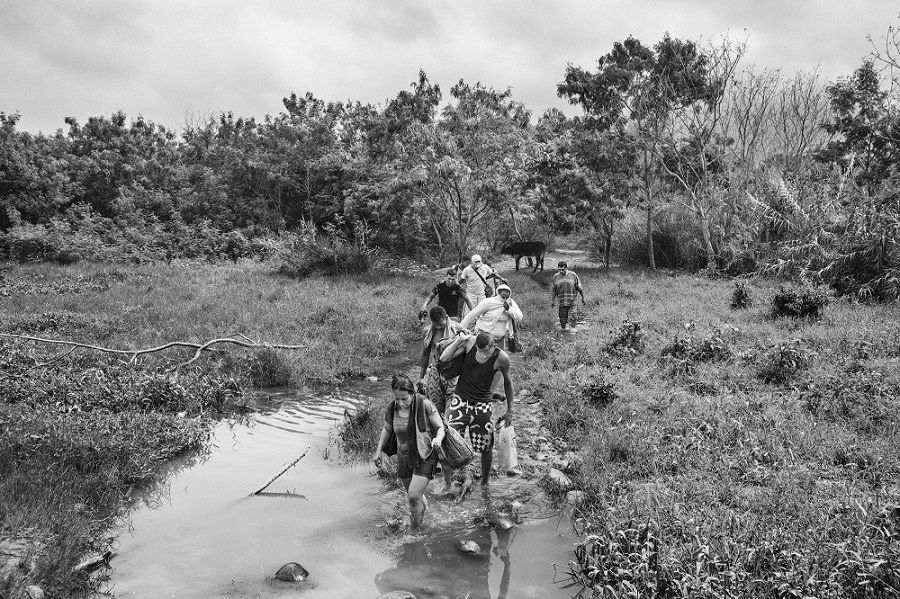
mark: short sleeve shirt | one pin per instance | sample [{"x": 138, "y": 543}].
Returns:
[
  {"x": 449, "y": 296},
  {"x": 474, "y": 284}
]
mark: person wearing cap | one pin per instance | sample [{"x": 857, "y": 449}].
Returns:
[
  {"x": 565, "y": 286},
  {"x": 494, "y": 315},
  {"x": 450, "y": 295},
  {"x": 475, "y": 276}
]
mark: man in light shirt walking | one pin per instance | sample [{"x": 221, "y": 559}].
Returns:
[
  {"x": 474, "y": 278},
  {"x": 494, "y": 315}
]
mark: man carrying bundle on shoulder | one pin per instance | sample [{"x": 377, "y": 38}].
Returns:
[{"x": 470, "y": 405}]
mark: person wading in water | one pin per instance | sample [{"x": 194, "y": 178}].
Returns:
[
  {"x": 419, "y": 430},
  {"x": 470, "y": 406}
]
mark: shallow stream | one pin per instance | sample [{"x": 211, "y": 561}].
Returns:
[{"x": 200, "y": 534}]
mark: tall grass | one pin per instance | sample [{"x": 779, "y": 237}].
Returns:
[
  {"x": 739, "y": 455},
  {"x": 77, "y": 430}
]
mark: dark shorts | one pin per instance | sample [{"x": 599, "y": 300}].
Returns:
[{"x": 425, "y": 468}]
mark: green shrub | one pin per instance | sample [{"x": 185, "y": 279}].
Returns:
[
  {"x": 359, "y": 431},
  {"x": 683, "y": 354},
  {"x": 599, "y": 392},
  {"x": 628, "y": 338},
  {"x": 740, "y": 296},
  {"x": 781, "y": 362},
  {"x": 268, "y": 368},
  {"x": 865, "y": 398},
  {"x": 806, "y": 302}
]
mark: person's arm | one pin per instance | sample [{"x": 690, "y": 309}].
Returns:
[
  {"x": 425, "y": 358},
  {"x": 438, "y": 424},
  {"x": 553, "y": 291},
  {"x": 385, "y": 434},
  {"x": 579, "y": 289},
  {"x": 503, "y": 367},
  {"x": 515, "y": 311},
  {"x": 497, "y": 277},
  {"x": 456, "y": 347},
  {"x": 466, "y": 299},
  {"x": 473, "y": 315},
  {"x": 430, "y": 297}
]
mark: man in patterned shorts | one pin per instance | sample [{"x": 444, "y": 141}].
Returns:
[{"x": 470, "y": 406}]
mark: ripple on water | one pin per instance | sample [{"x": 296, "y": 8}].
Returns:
[{"x": 199, "y": 535}]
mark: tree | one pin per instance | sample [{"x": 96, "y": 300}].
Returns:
[
  {"x": 691, "y": 144},
  {"x": 867, "y": 134},
  {"x": 634, "y": 90},
  {"x": 472, "y": 164}
]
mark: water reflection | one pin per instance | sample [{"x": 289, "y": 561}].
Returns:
[{"x": 438, "y": 566}]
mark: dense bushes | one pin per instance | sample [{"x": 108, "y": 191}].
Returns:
[
  {"x": 307, "y": 251},
  {"x": 81, "y": 234},
  {"x": 804, "y": 302}
]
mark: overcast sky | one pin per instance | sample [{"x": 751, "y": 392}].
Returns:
[{"x": 166, "y": 59}]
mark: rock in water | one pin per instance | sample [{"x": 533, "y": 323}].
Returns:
[
  {"x": 292, "y": 572},
  {"x": 501, "y": 521},
  {"x": 469, "y": 547},
  {"x": 397, "y": 595}
]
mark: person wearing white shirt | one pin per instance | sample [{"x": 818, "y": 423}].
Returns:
[
  {"x": 474, "y": 278},
  {"x": 494, "y": 315}
]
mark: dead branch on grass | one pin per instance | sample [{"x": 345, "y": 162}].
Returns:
[{"x": 134, "y": 353}]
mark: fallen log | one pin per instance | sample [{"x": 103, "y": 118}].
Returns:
[{"x": 283, "y": 470}]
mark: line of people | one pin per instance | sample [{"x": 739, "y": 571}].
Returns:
[{"x": 466, "y": 402}]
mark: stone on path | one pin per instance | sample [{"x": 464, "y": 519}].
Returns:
[
  {"x": 292, "y": 572},
  {"x": 34, "y": 592},
  {"x": 574, "y": 498},
  {"x": 561, "y": 482}
]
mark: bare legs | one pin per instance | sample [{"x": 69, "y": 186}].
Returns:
[{"x": 415, "y": 492}]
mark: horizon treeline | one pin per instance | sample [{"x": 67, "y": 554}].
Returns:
[{"x": 683, "y": 156}]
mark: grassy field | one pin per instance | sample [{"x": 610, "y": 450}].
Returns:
[
  {"x": 726, "y": 452},
  {"x": 78, "y": 429}
]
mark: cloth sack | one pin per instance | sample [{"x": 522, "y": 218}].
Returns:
[
  {"x": 454, "y": 449},
  {"x": 452, "y": 368},
  {"x": 507, "y": 454}
]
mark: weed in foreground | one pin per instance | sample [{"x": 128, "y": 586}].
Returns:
[
  {"x": 269, "y": 368},
  {"x": 806, "y": 302},
  {"x": 359, "y": 430},
  {"x": 740, "y": 296},
  {"x": 782, "y": 362},
  {"x": 628, "y": 339}
]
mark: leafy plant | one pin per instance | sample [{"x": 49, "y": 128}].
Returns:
[
  {"x": 628, "y": 338},
  {"x": 740, "y": 296},
  {"x": 805, "y": 302},
  {"x": 782, "y": 362}
]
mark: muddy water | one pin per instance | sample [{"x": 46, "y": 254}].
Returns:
[{"x": 200, "y": 535}]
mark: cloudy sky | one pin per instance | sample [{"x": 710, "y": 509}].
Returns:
[{"x": 174, "y": 59}]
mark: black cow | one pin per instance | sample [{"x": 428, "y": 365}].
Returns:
[{"x": 526, "y": 248}]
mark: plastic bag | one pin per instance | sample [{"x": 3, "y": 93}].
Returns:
[{"x": 507, "y": 455}]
